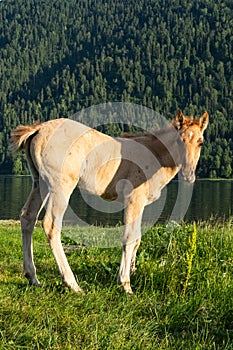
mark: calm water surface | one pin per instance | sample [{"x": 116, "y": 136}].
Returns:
[{"x": 209, "y": 199}]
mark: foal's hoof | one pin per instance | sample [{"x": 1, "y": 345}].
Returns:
[
  {"x": 74, "y": 287},
  {"x": 32, "y": 281},
  {"x": 129, "y": 291},
  {"x": 33, "y": 284},
  {"x": 79, "y": 290},
  {"x": 126, "y": 288}
]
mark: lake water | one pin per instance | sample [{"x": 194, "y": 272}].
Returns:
[{"x": 204, "y": 200}]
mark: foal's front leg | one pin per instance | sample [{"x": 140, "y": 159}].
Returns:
[
  {"x": 133, "y": 259},
  {"x": 131, "y": 241}
]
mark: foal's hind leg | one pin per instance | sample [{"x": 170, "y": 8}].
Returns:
[
  {"x": 52, "y": 223},
  {"x": 28, "y": 218}
]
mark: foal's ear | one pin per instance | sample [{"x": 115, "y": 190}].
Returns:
[
  {"x": 203, "y": 121},
  {"x": 180, "y": 119}
]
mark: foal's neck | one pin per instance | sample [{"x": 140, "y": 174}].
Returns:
[{"x": 163, "y": 144}]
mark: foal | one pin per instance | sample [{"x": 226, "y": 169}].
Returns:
[{"x": 63, "y": 154}]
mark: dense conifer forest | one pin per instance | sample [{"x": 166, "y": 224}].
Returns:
[{"x": 57, "y": 57}]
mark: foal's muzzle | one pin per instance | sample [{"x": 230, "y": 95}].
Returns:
[{"x": 189, "y": 175}]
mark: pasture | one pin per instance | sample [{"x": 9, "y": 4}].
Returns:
[{"x": 183, "y": 293}]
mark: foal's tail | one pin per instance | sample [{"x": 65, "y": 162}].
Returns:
[
  {"x": 21, "y": 135},
  {"x": 20, "y": 139}
]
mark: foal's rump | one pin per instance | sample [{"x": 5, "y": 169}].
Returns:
[
  {"x": 63, "y": 151},
  {"x": 53, "y": 144}
]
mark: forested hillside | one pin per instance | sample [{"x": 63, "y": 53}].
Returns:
[{"x": 57, "y": 57}]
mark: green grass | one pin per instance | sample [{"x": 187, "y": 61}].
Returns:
[{"x": 178, "y": 303}]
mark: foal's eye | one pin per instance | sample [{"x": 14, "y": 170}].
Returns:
[{"x": 201, "y": 144}]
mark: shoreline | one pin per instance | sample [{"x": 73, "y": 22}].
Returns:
[
  {"x": 209, "y": 221},
  {"x": 197, "y": 179}
]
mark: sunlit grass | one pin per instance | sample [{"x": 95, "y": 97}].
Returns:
[{"x": 161, "y": 314}]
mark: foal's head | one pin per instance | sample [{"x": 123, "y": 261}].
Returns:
[{"x": 191, "y": 134}]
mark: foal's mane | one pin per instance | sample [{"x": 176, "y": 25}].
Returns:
[
  {"x": 156, "y": 133},
  {"x": 148, "y": 134}
]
